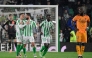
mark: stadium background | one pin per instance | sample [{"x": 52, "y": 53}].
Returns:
[{"x": 70, "y": 6}]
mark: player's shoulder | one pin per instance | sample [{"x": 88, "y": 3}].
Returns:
[
  {"x": 86, "y": 16},
  {"x": 17, "y": 20},
  {"x": 76, "y": 16}
]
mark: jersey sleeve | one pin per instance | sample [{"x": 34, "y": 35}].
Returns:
[
  {"x": 52, "y": 25},
  {"x": 34, "y": 24},
  {"x": 74, "y": 19},
  {"x": 34, "y": 27},
  {"x": 41, "y": 24}
]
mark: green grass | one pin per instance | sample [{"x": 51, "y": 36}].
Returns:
[{"x": 48, "y": 55}]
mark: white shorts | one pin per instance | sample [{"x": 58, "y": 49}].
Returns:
[
  {"x": 46, "y": 39},
  {"x": 28, "y": 39},
  {"x": 19, "y": 38}
]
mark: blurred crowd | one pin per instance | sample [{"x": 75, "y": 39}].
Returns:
[{"x": 66, "y": 14}]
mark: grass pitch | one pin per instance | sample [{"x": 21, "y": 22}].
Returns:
[{"x": 48, "y": 55}]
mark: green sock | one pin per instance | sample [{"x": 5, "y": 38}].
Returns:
[
  {"x": 45, "y": 51},
  {"x": 18, "y": 47},
  {"x": 34, "y": 50},
  {"x": 24, "y": 51},
  {"x": 43, "y": 47}
]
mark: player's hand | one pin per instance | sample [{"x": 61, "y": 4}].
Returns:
[
  {"x": 27, "y": 22},
  {"x": 21, "y": 23},
  {"x": 77, "y": 29}
]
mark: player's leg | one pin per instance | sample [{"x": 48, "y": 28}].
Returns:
[
  {"x": 18, "y": 46},
  {"x": 46, "y": 49},
  {"x": 24, "y": 50},
  {"x": 84, "y": 41},
  {"x": 9, "y": 43},
  {"x": 43, "y": 41},
  {"x": 32, "y": 41},
  {"x": 34, "y": 48},
  {"x": 46, "y": 46},
  {"x": 78, "y": 45},
  {"x": 42, "y": 46},
  {"x": 15, "y": 40}
]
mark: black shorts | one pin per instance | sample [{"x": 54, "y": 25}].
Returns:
[{"x": 12, "y": 36}]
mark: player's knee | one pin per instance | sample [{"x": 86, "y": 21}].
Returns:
[
  {"x": 24, "y": 45},
  {"x": 46, "y": 45},
  {"x": 83, "y": 44},
  {"x": 33, "y": 44}
]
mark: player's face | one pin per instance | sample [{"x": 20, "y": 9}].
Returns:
[
  {"x": 11, "y": 17},
  {"x": 27, "y": 16},
  {"x": 48, "y": 18},
  {"x": 80, "y": 11},
  {"x": 22, "y": 16}
]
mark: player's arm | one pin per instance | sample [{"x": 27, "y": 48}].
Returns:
[
  {"x": 22, "y": 24},
  {"x": 34, "y": 27},
  {"x": 17, "y": 27},
  {"x": 6, "y": 23},
  {"x": 88, "y": 21},
  {"x": 40, "y": 27},
  {"x": 74, "y": 20},
  {"x": 52, "y": 28}
]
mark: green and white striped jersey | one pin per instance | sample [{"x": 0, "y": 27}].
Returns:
[
  {"x": 46, "y": 27},
  {"x": 19, "y": 27},
  {"x": 28, "y": 29}
]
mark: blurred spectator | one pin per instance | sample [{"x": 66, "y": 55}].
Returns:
[
  {"x": 2, "y": 19},
  {"x": 72, "y": 36},
  {"x": 77, "y": 6},
  {"x": 89, "y": 6},
  {"x": 1, "y": 2},
  {"x": 66, "y": 15},
  {"x": 84, "y": 8},
  {"x": 67, "y": 34},
  {"x": 40, "y": 18},
  {"x": 69, "y": 23},
  {"x": 61, "y": 36},
  {"x": 71, "y": 11},
  {"x": 90, "y": 36},
  {"x": 29, "y": 2},
  {"x": 62, "y": 23},
  {"x": 20, "y": 2},
  {"x": 11, "y": 2}
]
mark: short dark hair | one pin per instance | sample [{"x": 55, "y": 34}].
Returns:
[
  {"x": 20, "y": 14},
  {"x": 28, "y": 14},
  {"x": 10, "y": 15},
  {"x": 48, "y": 15}
]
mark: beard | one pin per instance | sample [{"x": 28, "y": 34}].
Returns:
[
  {"x": 27, "y": 18},
  {"x": 81, "y": 14},
  {"x": 48, "y": 19}
]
